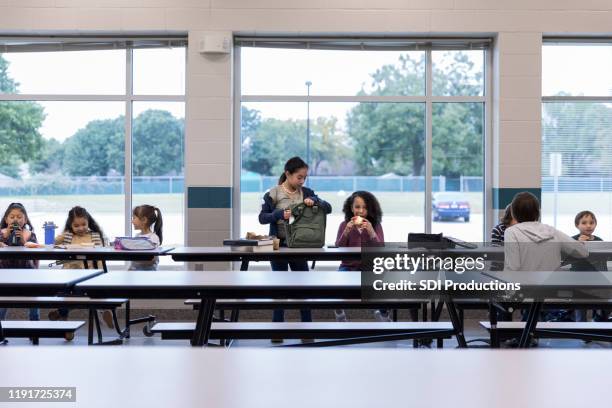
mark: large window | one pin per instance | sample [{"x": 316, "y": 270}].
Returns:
[
  {"x": 404, "y": 120},
  {"x": 577, "y": 133},
  {"x": 71, "y": 110}
]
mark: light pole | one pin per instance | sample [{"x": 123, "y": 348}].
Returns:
[{"x": 308, "y": 83}]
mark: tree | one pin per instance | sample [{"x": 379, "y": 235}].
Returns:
[
  {"x": 457, "y": 148},
  {"x": 157, "y": 144},
  {"x": 250, "y": 120},
  {"x": 99, "y": 148},
  {"x": 20, "y": 139},
  {"x": 390, "y": 137},
  {"x": 96, "y": 149},
  {"x": 327, "y": 144},
  {"x": 274, "y": 141},
  {"x": 7, "y": 85},
  {"x": 567, "y": 127},
  {"x": 51, "y": 157},
  {"x": 270, "y": 142}
]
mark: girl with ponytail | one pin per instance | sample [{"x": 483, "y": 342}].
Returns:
[{"x": 148, "y": 220}]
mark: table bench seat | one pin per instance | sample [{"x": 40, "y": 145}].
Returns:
[
  {"x": 308, "y": 303},
  {"x": 311, "y": 330},
  {"x": 76, "y": 302},
  {"x": 597, "y": 331},
  {"x": 39, "y": 329}
]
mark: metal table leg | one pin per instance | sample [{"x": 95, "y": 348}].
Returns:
[
  {"x": 98, "y": 327},
  {"x": 493, "y": 321},
  {"x": 127, "y": 319},
  {"x": 2, "y": 339},
  {"x": 203, "y": 323},
  {"x": 530, "y": 324},
  {"x": 90, "y": 324},
  {"x": 452, "y": 312}
]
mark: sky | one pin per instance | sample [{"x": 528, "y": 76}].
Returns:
[
  {"x": 574, "y": 69},
  {"x": 156, "y": 72},
  {"x": 332, "y": 73}
]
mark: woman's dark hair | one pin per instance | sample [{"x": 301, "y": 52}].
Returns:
[
  {"x": 153, "y": 216},
  {"x": 16, "y": 206},
  {"x": 507, "y": 218},
  {"x": 525, "y": 207},
  {"x": 80, "y": 212},
  {"x": 374, "y": 212},
  {"x": 582, "y": 214},
  {"x": 293, "y": 164}
]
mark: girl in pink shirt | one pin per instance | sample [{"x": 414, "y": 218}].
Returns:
[{"x": 361, "y": 227}]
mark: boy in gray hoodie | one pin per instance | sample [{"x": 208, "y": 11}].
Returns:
[{"x": 533, "y": 246}]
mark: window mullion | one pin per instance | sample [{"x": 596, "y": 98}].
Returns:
[
  {"x": 128, "y": 141},
  {"x": 428, "y": 140}
]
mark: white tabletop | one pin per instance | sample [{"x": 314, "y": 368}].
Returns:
[
  {"x": 98, "y": 253},
  {"x": 267, "y": 378},
  {"x": 176, "y": 284},
  {"x": 15, "y": 278}
]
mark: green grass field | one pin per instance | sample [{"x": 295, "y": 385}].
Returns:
[
  {"x": 102, "y": 203},
  {"x": 403, "y": 212},
  {"x": 391, "y": 203}
]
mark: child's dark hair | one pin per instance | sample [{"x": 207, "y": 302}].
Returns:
[
  {"x": 292, "y": 165},
  {"x": 80, "y": 212},
  {"x": 153, "y": 216},
  {"x": 507, "y": 218},
  {"x": 372, "y": 205},
  {"x": 16, "y": 206},
  {"x": 582, "y": 214},
  {"x": 525, "y": 207}
]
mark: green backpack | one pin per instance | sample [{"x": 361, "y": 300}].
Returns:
[{"x": 308, "y": 228}]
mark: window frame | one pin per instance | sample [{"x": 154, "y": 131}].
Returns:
[
  {"x": 427, "y": 45},
  {"x": 128, "y": 97},
  {"x": 551, "y": 41}
]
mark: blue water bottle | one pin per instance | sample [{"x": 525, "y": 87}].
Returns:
[{"x": 49, "y": 228}]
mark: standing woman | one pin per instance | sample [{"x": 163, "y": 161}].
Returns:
[{"x": 275, "y": 210}]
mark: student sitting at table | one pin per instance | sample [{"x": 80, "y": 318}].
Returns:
[
  {"x": 586, "y": 222},
  {"x": 498, "y": 231},
  {"x": 16, "y": 230},
  {"x": 80, "y": 229},
  {"x": 148, "y": 220},
  {"x": 276, "y": 211},
  {"x": 361, "y": 227},
  {"x": 498, "y": 235},
  {"x": 532, "y": 246}
]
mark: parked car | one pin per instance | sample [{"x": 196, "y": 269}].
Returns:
[{"x": 450, "y": 205}]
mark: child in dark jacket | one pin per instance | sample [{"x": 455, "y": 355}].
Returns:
[
  {"x": 275, "y": 211},
  {"x": 16, "y": 230},
  {"x": 586, "y": 222}
]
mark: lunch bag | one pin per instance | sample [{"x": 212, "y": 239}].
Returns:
[
  {"x": 308, "y": 228},
  {"x": 134, "y": 243}
]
